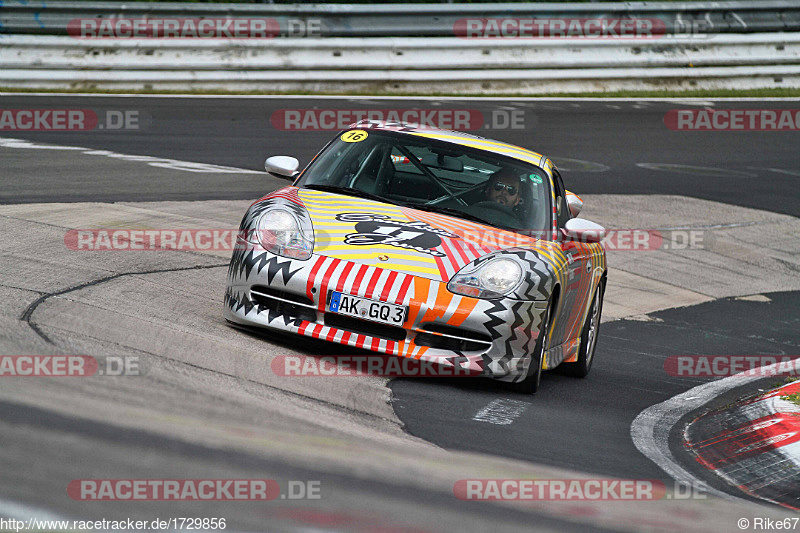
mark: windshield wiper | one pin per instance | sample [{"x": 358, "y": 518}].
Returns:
[
  {"x": 348, "y": 191},
  {"x": 452, "y": 212}
]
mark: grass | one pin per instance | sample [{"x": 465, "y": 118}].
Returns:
[
  {"x": 757, "y": 93},
  {"x": 794, "y": 398},
  {"x": 786, "y": 381}
]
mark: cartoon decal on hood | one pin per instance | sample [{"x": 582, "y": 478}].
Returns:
[
  {"x": 403, "y": 239},
  {"x": 372, "y": 228}
]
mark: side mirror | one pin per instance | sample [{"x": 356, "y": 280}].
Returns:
[
  {"x": 574, "y": 203},
  {"x": 583, "y": 230},
  {"x": 282, "y": 166}
]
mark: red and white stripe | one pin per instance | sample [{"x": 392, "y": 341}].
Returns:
[{"x": 287, "y": 193}]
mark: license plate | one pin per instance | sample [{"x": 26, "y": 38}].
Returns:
[{"x": 364, "y": 308}]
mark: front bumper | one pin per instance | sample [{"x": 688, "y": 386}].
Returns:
[{"x": 493, "y": 338}]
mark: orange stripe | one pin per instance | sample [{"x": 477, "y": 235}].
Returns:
[
  {"x": 465, "y": 307},
  {"x": 421, "y": 286}
]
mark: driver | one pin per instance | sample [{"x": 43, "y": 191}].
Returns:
[{"x": 503, "y": 188}]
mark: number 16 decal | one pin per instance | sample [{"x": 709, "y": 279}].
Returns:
[{"x": 354, "y": 136}]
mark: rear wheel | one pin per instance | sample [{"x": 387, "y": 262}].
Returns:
[
  {"x": 531, "y": 382},
  {"x": 591, "y": 328}
]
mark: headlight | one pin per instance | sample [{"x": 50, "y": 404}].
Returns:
[
  {"x": 278, "y": 231},
  {"x": 491, "y": 280}
]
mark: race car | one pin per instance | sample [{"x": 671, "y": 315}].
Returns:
[{"x": 429, "y": 244}]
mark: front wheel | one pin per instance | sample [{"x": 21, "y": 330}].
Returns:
[
  {"x": 591, "y": 328},
  {"x": 530, "y": 384}
]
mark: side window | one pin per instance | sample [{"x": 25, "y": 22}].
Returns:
[{"x": 562, "y": 211}]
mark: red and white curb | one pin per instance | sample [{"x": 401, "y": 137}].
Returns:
[
  {"x": 754, "y": 445},
  {"x": 651, "y": 428}
]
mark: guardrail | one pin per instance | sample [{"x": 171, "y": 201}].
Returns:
[
  {"x": 392, "y": 54},
  {"x": 421, "y": 65},
  {"x": 51, "y": 17},
  {"x": 727, "y": 55}
]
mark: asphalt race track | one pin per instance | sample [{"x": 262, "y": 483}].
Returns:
[
  {"x": 741, "y": 169},
  {"x": 597, "y": 411},
  {"x": 205, "y": 405}
]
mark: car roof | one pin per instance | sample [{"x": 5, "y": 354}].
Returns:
[{"x": 456, "y": 137}]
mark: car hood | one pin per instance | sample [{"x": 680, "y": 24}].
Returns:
[{"x": 421, "y": 243}]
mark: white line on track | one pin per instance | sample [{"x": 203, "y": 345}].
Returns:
[
  {"x": 778, "y": 170},
  {"x": 501, "y": 412},
  {"x": 695, "y": 170},
  {"x": 651, "y": 428},
  {"x": 174, "y": 164}
]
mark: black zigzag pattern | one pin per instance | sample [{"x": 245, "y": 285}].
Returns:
[
  {"x": 533, "y": 290},
  {"x": 235, "y": 302},
  {"x": 243, "y": 261},
  {"x": 494, "y": 321}
]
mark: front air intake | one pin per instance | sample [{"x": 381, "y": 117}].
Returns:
[
  {"x": 452, "y": 338},
  {"x": 294, "y": 306}
]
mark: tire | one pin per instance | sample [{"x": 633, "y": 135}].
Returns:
[
  {"x": 591, "y": 329},
  {"x": 530, "y": 384}
]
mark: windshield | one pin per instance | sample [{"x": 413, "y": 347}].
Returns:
[{"x": 435, "y": 176}]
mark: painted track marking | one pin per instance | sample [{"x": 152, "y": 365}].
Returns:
[
  {"x": 501, "y": 412},
  {"x": 161, "y": 162}
]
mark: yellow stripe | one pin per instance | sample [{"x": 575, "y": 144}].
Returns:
[
  {"x": 478, "y": 143},
  {"x": 330, "y": 214},
  {"x": 485, "y": 142},
  {"x": 339, "y": 208},
  {"x": 325, "y": 224},
  {"x": 411, "y": 268},
  {"x": 374, "y": 250},
  {"x": 557, "y": 260},
  {"x": 324, "y": 198},
  {"x": 350, "y": 201}
]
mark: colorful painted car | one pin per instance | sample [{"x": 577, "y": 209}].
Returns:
[{"x": 427, "y": 244}]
